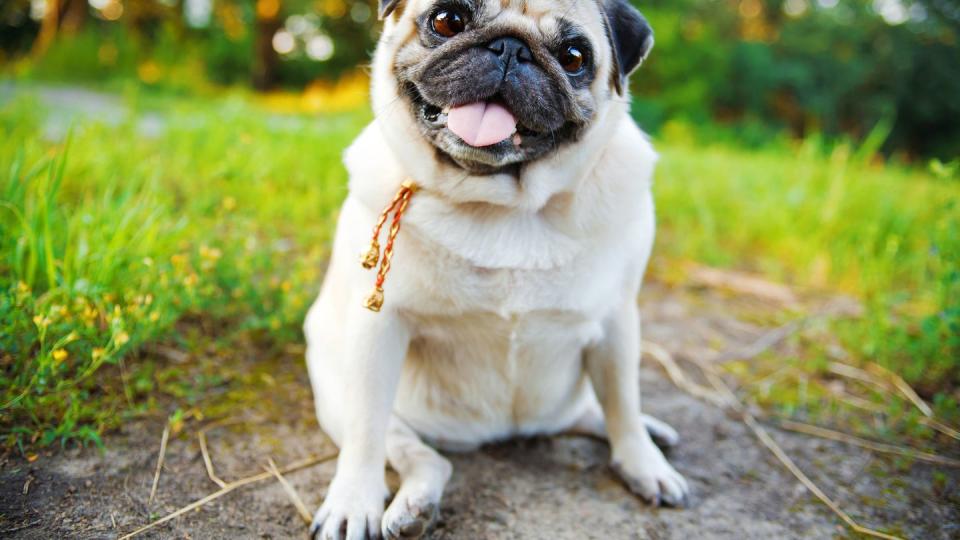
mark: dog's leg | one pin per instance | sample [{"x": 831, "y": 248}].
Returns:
[
  {"x": 423, "y": 473},
  {"x": 614, "y": 370},
  {"x": 375, "y": 347},
  {"x": 592, "y": 424}
]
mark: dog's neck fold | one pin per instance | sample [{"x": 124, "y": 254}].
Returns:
[{"x": 541, "y": 220}]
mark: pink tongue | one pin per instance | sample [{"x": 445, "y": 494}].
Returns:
[{"x": 482, "y": 123}]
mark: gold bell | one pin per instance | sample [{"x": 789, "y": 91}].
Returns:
[
  {"x": 370, "y": 258},
  {"x": 375, "y": 301}
]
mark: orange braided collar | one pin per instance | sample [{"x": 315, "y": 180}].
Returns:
[{"x": 370, "y": 259}]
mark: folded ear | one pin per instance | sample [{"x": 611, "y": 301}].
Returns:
[
  {"x": 387, "y": 7},
  {"x": 630, "y": 37}
]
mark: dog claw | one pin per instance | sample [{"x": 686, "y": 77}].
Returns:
[
  {"x": 411, "y": 523},
  {"x": 654, "y": 481}
]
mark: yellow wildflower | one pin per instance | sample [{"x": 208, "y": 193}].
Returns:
[
  {"x": 60, "y": 355},
  {"x": 210, "y": 253},
  {"x": 122, "y": 338}
]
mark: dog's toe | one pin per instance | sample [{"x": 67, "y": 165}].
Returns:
[
  {"x": 674, "y": 491},
  {"x": 348, "y": 513},
  {"x": 647, "y": 474},
  {"x": 406, "y": 519},
  {"x": 342, "y": 527}
]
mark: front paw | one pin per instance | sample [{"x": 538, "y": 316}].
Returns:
[
  {"x": 649, "y": 475},
  {"x": 351, "y": 510},
  {"x": 408, "y": 517}
]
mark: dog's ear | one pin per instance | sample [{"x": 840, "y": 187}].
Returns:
[
  {"x": 387, "y": 7},
  {"x": 631, "y": 38}
]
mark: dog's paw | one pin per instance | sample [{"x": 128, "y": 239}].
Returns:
[
  {"x": 408, "y": 517},
  {"x": 351, "y": 511},
  {"x": 647, "y": 473}
]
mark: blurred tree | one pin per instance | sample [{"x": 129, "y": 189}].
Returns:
[
  {"x": 75, "y": 15},
  {"x": 229, "y": 44},
  {"x": 48, "y": 26},
  {"x": 17, "y": 29},
  {"x": 324, "y": 38},
  {"x": 809, "y": 66},
  {"x": 68, "y": 16},
  {"x": 146, "y": 18},
  {"x": 753, "y": 67},
  {"x": 265, "y": 54}
]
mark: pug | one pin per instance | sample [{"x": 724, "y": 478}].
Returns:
[{"x": 522, "y": 222}]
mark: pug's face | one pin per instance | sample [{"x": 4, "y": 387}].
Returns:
[{"x": 492, "y": 84}]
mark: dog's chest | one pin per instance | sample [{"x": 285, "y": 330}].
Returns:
[
  {"x": 496, "y": 352},
  {"x": 481, "y": 376},
  {"x": 431, "y": 281},
  {"x": 518, "y": 324}
]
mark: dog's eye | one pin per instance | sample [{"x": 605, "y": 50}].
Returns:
[
  {"x": 448, "y": 23},
  {"x": 571, "y": 58}
]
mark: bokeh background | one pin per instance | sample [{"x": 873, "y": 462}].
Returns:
[
  {"x": 763, "y": 67},
  {"x": 170, "y": 175}
]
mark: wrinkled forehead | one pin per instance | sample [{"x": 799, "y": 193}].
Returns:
[{"x": 548, "y": 18}]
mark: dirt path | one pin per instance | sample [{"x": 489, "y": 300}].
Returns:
[{"x": 541, "y": 488}]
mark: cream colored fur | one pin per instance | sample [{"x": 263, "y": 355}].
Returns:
[{"x": 509, "y": 310}]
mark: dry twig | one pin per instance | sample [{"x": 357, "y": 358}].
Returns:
[
  {"x": 761, "y": 344},
  {"x": 857, "y": 374},
  {"x": 765, "y": 438},
  {"x": 160, "y": 456},
  {"x": 853, "y": 400},
  {"x": 677, "y": 375},
  {"x": 733, "y": 402},
  {"x": 884, "y": 379},
  {"x": 291, "y": 492},
  {"x": 227, "y": 489},
  {"x": 772, "y": 445},
  {"x": 942, "y": 428},
  {"x": 902, "y": 386},
  {"x": 825, "y": 433},
  {"x": 743, "y": 283},
  {"x": 207, "y": 462}
]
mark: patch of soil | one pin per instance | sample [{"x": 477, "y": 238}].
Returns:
[{"x": 549, "y": 488}]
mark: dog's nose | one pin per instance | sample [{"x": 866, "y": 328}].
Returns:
[{"x": 510, "y": 47}]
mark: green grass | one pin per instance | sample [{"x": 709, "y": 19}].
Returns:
[
  {"x": 830, "y": 219},
  {"x": 114, "y": 243},
  {"x": 110, "y": 238}
]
